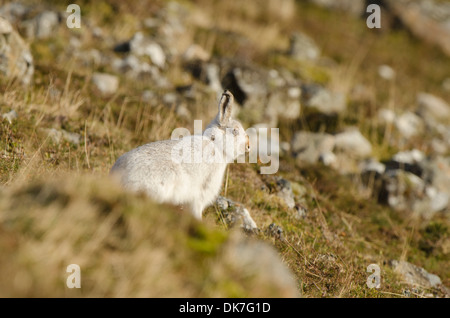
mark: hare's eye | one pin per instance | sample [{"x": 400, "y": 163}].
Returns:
[
  {"x": 213, "y": 137},
  {"x": 235, "y": 132}
]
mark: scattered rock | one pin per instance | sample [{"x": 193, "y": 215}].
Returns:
[
  {"x": 14, "y": 11},
  {"x": 275, "y": 231},
  {"x": 254, "y": 258},
  {"x": 285, "y": 191},
  {"x": 283, "y": 103},
  {"x": 196, "y": 52},
  {"x": 426, "y": 19},
  {"x": 432, "y": 106},
  {"x": 144, "y": 46},
  {"x": 386, "y": 116},
  {"x": 353, "y": 143},
  {"x": 302, "y": 47},
  {"x": 107, "y": 84},
  {"x": 322, "y": 100},
  {"x": 43, "y": 25},
  {"x": 410, "y": 157},
  {"x": 414, "y": 275},
  {"x": 134, "y": 68},
  {"x": 386, "y": 72},
  {"x": 308, "y": 147},
  {"x": 401, "y": 189},
  {"x": 16, "y": 60},
  {"x": 234, "y": 213},
  {"x": 372, "y": 165},
  {"x": 409, "y": 125},
  {"x": 12, "y": 115},
  {"x": 57, "y": 136}
]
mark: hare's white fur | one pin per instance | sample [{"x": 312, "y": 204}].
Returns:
[{"x": 151, "y": 168}]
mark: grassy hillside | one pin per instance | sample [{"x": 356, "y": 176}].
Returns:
[{"x": 57, "y": 206}]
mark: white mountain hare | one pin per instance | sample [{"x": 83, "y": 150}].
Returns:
[{"x": 194, "y": 178}]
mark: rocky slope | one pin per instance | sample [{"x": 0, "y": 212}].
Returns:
[{"x": 363, "y": 153}]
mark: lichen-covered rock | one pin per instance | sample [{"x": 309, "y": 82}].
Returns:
[
  {"x": 353, "y": 144},
  {"x": 415, "y": 275},
  {"x": 322, "y": 100},
  {"x": 234, "y": 213},
  {"x": 42, "y": 26},
  {"x": 107, "y": 84},
  {"x": 16, "y": 61},
  {"x": 308, "y": 147},
  {"x": 302, "y": 47}
]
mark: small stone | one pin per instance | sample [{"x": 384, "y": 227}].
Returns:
[
  {"x": 285, "y": 192},
  {"x": 328, "y": 158},
  {"x": 411, "y": 157},
  {"x": 409, "y": 125},
  {"x": 107, "y": 84},
  {"x": 301, "y": 211},
  {"x": 43, "y": 25},
  {"x": 234, "y": 213},
  {"x": 303, "y": 47},
  {"x": 386, "y": 72},
  {"x": 323, "y": 100},
  {"x": 275, "y": 231},
  {"x": 430, "y": 105},
  {"x": 372, "y": 165},
  {"x": 12, "y": 115},
  {"x": 353, "y": 143},
  {"x": 16, "y": 60},
  {"x": 386, "y": 116},
  {"x": 196, "y": 52},
  {"x": 414, "y": 275},
  {"x": 142, "y": 46},
  {"x": 308, "y": 146}
]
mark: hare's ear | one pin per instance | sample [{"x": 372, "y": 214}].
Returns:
[{"x": 225, "y": 105}]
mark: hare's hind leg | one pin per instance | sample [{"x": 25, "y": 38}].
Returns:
[{"x": 197, "y": 209}]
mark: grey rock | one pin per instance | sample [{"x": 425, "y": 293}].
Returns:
[
  {"x": 328, "y": 159},
  {"x": 16, "y": 60},
  {"x": 43, "y": 25},
  {"x": 302, "y": 47},
  {"x": 323, "y": 100},
  {"x": 284, "y": 191},
  {"x": 234, "y": 213},
  {"x": 134, "y": 68},
  {"x": 275, "y": 230},
  {"x": 401, "y": 189},
  {"x": 411, "y": 157},
  {"x": 14, "y": 11},
  {"x": 386, "y": 116},
  {"x": 107, "y": 84},
  {"x": 421, "y": 16},
  {"x": 439, "y": 201},
  {"x": 195, "y": 52},
  {"x": 433, "y": 106},
  {"x": 144, "y": 46},
  {"x": 58, "y": 135},
  {"x": 253, "y": 258},
  {"x": 308, "y": 146},
  {"x": 353, "y": 143},
  {"x": 372, "y": 165},
  {"x": 283, "y": 103},
  {"x": 410, "y": 125},
  {"x": 386, "y": 72},
  {"x": 10, "y": 116},
  {"x": 414, "y": 275}
]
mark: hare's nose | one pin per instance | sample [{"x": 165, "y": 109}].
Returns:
[{"x": 247, "y": 144}]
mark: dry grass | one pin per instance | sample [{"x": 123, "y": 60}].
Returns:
[{"x": 52, "y": 214}]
